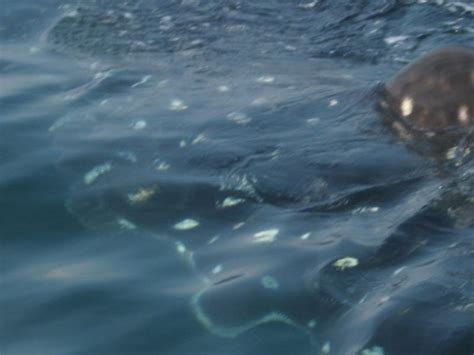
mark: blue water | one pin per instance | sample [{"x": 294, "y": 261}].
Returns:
[{"x": 211, "y": 177}]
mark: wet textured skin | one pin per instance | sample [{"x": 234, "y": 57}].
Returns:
[{"x": 432, "y": 99}]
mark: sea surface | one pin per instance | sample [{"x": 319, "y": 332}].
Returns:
[{"x": 190, "y": 177}]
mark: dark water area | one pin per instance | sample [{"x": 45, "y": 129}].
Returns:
[{"x": 212, "y": 177}]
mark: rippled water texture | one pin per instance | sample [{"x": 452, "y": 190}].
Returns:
[{"x": 211, "y": 177}]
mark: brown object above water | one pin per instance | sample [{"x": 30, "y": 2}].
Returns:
[{"x": 432, "y": 99}]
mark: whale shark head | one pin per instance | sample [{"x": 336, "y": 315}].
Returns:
[{"x": 430, "y": 102}]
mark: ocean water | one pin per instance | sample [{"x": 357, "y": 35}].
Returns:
[{"x": 212, "y": 177}]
